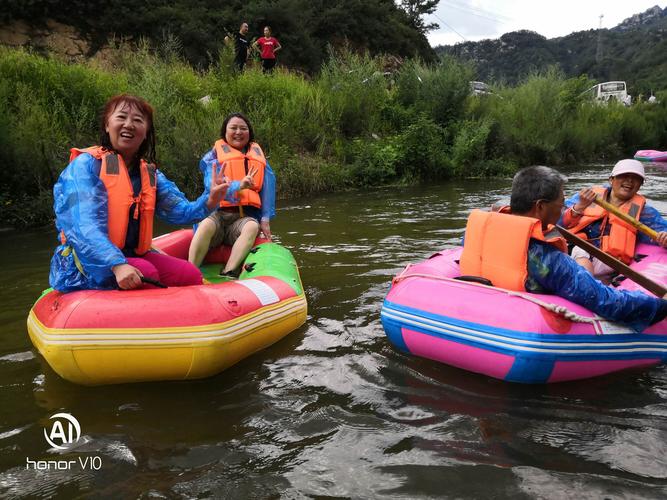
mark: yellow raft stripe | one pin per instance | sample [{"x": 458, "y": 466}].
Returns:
[
  {"x": 230, "y": 330},
  {"x": 226, "y": 335}
]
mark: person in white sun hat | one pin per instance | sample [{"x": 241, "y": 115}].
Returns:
[{"x": 607, "y": 231}]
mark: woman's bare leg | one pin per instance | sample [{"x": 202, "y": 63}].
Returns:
[
  {"x": 242, "y": 245},
  {"x": 200, "y": 241}
]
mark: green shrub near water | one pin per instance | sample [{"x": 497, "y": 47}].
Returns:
[
  {"x": 353, "y": 125},
  {"x": 439, "y": 92},
  {"x": 548, "y": 119}
]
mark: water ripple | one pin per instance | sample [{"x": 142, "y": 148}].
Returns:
[{"x": 333, "y": 410}]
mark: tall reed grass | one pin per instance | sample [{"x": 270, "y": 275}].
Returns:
[{"x": 355, "y": 123}]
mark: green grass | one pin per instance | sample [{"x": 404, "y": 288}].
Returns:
[{"x": 352, "y": 124}]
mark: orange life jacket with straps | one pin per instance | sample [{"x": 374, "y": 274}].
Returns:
[
  {"x": 116, "y": 179},
  {"x": 238, "y": 166},
  {"x": 496, "y": 247},
  {"x": 618, "y": 238}
]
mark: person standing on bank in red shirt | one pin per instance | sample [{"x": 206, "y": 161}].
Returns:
[{"x": 268, "y": 46}]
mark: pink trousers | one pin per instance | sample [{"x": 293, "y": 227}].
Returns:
[{"x": 166, "y": 269}]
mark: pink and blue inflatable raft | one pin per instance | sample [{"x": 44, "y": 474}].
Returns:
[
  {"x": 513, "y": 336},
  {"x": 651, "y": 155},
  {"x": 517, "y": 356}
]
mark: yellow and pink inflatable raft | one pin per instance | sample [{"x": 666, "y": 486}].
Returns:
[{"x": 94, "y": 337}]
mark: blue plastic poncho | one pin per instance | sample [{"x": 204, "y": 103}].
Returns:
[
  {"x": 552, "y": 271},
  {"x": 649, "y": 216},
  {"x": 80, "y": 205},
  {"x": 267, "y": 192}
]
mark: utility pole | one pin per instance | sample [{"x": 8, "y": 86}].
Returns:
[{"x": 598, "y": 52}]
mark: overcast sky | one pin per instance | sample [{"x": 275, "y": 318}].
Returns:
[{"x": 472, "y": 20}]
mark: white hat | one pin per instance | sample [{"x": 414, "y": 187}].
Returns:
[{"x": 629, "y": 167}]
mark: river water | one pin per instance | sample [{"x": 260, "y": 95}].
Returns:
[{"x": 333, "y": 410}]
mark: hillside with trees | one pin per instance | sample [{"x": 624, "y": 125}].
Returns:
[
  {"x": 353, "y": 121},
  {"x": 634, "y": 51},
  {"x": 306, "y": 28}
]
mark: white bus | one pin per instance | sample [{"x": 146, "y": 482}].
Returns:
[{"x": 610, "y": 90}]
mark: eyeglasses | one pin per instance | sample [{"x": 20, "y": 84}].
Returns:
[{"x": 561, "y": 203}]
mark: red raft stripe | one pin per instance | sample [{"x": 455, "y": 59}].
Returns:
[{"x": 154, "y": 308}]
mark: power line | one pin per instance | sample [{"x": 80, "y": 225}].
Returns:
[
  {"x": 492, "y": 16},
  {"x": 443, "y": 22}
]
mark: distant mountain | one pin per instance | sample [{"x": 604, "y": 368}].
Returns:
[
  {"x": 634, "y": 51},
  {"x": 645, "y": 19}
]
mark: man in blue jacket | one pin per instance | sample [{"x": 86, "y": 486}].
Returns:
[{"x": 537, "y": 192}]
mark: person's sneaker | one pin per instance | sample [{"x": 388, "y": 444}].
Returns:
[{"x": 228, "y": 276}]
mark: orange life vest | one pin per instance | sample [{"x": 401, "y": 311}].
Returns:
[
  {"x": 496, "y": 247},
  {"x": 620, "y": 238},
  {"x": 121, "y": 197},
  {"x": 238, "y": 166}
]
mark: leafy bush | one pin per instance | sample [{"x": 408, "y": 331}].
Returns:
[
  {"x": 424, "y": 155},
  {"x": 355, "y": 90},
  {"x": 303, "y": 174},
  {"x": 438, "y": 92},
  {"x": 469, "y": 145},
  {"x": 353, "y": 124},
  {"x": 375, "y": 161}
]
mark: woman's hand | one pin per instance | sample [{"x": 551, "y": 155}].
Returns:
[
  {"x": 219, "y": 185},
  {"x": 127, "y": 276},
  {"x": 249, "y": 181},
  {"x": 662, "y": 238},
  {"x": 265, "y": 228},
  {"x": 586, "y": 197}
]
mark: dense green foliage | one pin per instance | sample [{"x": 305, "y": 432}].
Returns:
[
  {"x": 635, "y": 51},
  {"x": 352, "y": 125},
  {"x": 304, "y": 27},
  {"x": 417, "y": 9}
]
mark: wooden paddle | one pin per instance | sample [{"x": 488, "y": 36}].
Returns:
[
  {"x": 615, "y": 264},
  {"x": 627, "y": 218}
]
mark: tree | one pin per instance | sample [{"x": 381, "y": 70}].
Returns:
[
  {"x": 416, "y": 9},
  {"x": 305, "y": 27}
]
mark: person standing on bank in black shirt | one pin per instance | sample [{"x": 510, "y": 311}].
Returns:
[{"x": 241, "y": 47}]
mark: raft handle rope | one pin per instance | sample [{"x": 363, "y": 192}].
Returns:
[{"x": 554, "y": 308}]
